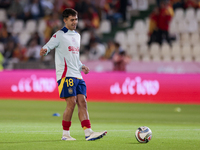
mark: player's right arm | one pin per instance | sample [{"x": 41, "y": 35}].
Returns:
[
  {"x": 43, "y": 52},
  {"x": 51, "y": 44}
]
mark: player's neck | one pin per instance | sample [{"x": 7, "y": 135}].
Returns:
[{"x": 69, "y": 29}]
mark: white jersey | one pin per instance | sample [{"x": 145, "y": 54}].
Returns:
[{"x": 67, "y": 45}]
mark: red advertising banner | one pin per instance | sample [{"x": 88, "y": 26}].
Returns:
[{"x": 107, "y": 86}]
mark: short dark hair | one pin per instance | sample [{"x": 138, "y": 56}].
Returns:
[{"x": 69, "y": 12}]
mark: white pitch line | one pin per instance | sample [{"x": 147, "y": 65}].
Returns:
[
  {"x": 178, "y": 130},
  {"x": 60, "y": 131},
  {"x": 30, "y": 131}
]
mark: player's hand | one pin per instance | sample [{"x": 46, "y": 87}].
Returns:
[
  {"x": 43, "y": 51},
  {"x": 85, "y": 69}
]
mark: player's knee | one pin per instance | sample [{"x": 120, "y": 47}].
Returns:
[
  {"x": 71, "y": 102},
  {"x": 82, "y": 102}
]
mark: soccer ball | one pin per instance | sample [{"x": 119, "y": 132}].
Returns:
[{"x": 143, "y": 134}]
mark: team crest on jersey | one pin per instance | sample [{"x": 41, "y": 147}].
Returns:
[
  {"x": 70, "y": 90},
  {"x": 54, "y": 36}
]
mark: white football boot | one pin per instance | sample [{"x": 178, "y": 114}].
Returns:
[
  {"x": 66, "y": 136},
  {"x": 95, "y": 135}
]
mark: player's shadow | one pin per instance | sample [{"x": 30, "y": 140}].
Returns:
[{"x": 44, "y": 141}]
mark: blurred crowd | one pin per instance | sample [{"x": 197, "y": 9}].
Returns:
[
  {"x": 159, "y": 23},
  {"x": 162, "y": 15},
  {"x": 90, "y": 14},
  {"x": 185, "y": 4}
]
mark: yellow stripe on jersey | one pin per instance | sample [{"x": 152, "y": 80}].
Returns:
[{"x": 60, "y": 87}]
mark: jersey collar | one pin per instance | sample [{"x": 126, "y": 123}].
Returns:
[{"x": 64, "y": 29}]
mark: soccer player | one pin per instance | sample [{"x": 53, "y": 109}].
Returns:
[{"x": 71, "y": 85}]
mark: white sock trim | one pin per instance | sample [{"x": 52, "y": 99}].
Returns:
[
  {"x": 66, "y": 132},
  {"x": 88, "y": 131}
]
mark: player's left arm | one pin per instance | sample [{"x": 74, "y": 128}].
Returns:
[
  {"x": 82, "y": 67},
  {"x": 85, "y": 69}
]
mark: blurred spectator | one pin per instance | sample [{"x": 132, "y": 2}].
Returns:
[
  {"x": 82, "y": 7},
  {"x": 48, "y": 6},
  {"x": 176, "y": 4},
  {"x": 67, "y": 4},
  {"x": 19, "y": 53},
  {"x": 164, "y": 18},
  {"x": 91, "y": 19},
  {"x": 97, "y": 51},
  {"x": 94, "y": 36},
  {"x": 112, "y": 8},
  {"x": 153, "y": 27},
  {"x": 169, "y": 8},
  {"x": 8, "y": 51},
  {"x": 33, "y": 10},
  {"x": 15, "y": 10},
  {"x": 123, "y": 11},
  {"x": 94, "y": 18},
  {"x": 109, "y": 50},
  {"x": 33, "y": 51},
  {"x": 120, "y": 59},
  {"x": 190, "y": 3},
  {"x": 198, "y": 4},
  {"x": 54, "y": 24},
  {"x": 99, "y": 7},
  {"x": 37, "y": 37},
  {"x": 5, "y": 3},
  {"x": 3, "y": 32}
]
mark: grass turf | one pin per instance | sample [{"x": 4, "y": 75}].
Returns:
[{"x": 29, "y": 125}]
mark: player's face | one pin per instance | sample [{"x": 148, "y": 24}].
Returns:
[{"x": 71, "y": 22}]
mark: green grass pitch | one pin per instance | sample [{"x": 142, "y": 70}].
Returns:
[{"x": 29, "y": 125}]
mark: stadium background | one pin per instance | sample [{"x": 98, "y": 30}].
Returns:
[
  {"x": 27, "y": 25},
  {"x": 158, "y": 86}
]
